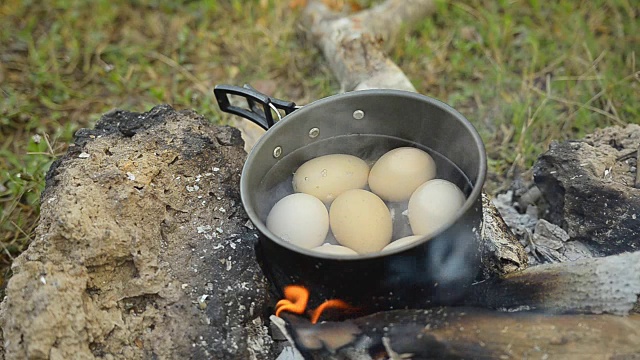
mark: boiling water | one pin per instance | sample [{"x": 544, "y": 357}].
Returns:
[{"x": 277, "y": 183}]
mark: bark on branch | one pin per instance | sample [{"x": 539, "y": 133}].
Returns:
[{"x": 354, "y": 45}]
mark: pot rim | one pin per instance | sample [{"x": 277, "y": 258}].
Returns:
[{"x": 476, "y": 192}]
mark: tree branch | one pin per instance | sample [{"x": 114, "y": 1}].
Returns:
[{"x": 354, "y": 45}]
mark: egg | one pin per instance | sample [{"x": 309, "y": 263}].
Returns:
[
  {"x": 300, "y": 219},
  {"x": 432, "y": 205},
  {"x": 328, "y": 176},
  {"x": 402, "y": 242},
  {"x": 360, "y": 220},
  {"x": 334, "y": 250},
  {"x": 399, "y": 172}
]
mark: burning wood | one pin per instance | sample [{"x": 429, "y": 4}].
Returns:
[
  {"x": 296, "y": 299},
  {"x": 591, "y": 286},
  {"x": 456, "y": 333}
]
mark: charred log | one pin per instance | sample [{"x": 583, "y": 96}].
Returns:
[
  {"x": 465, "y": 333},
  {"x": 599, "y": 285},
  {"x": 589, "y": 185},
  {"x": 501, "y": 252}
]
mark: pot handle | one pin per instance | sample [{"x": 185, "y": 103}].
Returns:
[{"x": 263, "y": 116}]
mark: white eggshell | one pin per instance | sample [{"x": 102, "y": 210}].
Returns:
[
  {"x": 328, "y": 176},
  {"x": 300, "y": 219},
  {"x": 399, "y": 172},
  {"x": 334, "y": 250},
  {"x": 402, "y": 242},
  {"x": 432, "y": 205},
  {"x": 360, "y": 220}
]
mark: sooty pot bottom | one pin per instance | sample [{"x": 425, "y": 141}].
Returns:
[{"x": 438, "y": 272}]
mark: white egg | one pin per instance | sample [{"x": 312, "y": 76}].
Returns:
[
  {"x": 360, "y": 220},
  {"x": 328, "y": 176},
  {"x": 300, "y": 219},
  {"x": 402, "y": 242},
  {"x": 334, "y": 250},
  {"x": 399, "y": 172},
  {"x": 432, "y": 205}
]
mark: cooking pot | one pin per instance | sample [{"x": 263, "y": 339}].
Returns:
[{"x": 437, "y": 269}]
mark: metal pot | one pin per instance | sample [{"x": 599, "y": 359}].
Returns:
[{"x": 434, "y": 270}]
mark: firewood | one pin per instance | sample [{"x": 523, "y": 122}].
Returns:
[
  {"x": 594, "y": 285},
  {"x": 466, "y": 333}
]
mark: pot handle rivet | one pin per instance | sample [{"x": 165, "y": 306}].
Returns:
[
  {"x": 358, "y": 114},
  {"x": 277, "y": 152},
  {"x": 314, "y": 132}
]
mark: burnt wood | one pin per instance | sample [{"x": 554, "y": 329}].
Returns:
[
  {"x": 593, "y": 285},
  {"x": 467, "y": 333}
]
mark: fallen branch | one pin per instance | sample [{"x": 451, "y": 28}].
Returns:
[{"x": 354, "y": 45}]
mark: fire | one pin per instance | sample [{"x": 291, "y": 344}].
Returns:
[{"x": 295, "y": 301}]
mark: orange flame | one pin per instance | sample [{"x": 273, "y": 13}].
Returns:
[{"x": 295, "y": 301}]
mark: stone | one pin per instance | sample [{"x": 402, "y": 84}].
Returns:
[
  {"x": 142, "y": 250},
  {"x": 551, "y": 232},
  {"x": 521, "y": 224},
  {"x": 550, "y": 243},
  {"x": 589, "y": 187}
]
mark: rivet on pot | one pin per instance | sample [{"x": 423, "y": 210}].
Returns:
[
  {"x": 277, "y": 152},
  {"x": 358, "y": 114},
  {"x": 314, "y": 132}
]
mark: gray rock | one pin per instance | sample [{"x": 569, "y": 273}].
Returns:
[
  {"x": 552, "y": 244},
  {"x": 547, "y": 230},
  {"x": 575, "y": 250},
  {"x": 521, "y": 224},
  {"x": 589, "y": 189},
  {"x": 142, "y": 249}
]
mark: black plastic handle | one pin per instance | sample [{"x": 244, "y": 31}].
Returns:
[{"x": 261, "y": 116}]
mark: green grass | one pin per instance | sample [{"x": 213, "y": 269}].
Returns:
[{"x": 524, "y": 72}]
